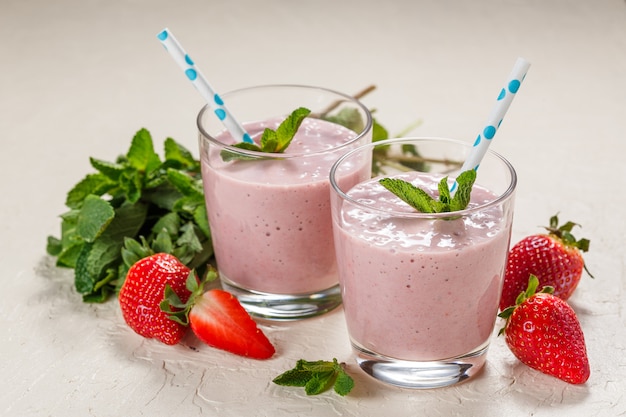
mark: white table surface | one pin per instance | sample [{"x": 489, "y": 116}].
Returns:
[{"x": 79, "y": 77}]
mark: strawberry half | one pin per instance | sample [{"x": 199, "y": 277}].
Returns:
[
  {"x": 554, "y": 258},
  {"x": 142, "y": 292},
  {"x": 218, "y": 319},
  {"x": 543, "y": 332}
]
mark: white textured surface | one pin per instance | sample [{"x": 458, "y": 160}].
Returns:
[{"x": 79, "y": 77}]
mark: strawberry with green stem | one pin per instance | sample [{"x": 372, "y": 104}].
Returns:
[
  {"x": 554, "y": 258},
  {"x": 142, "y": 292},
  {"x": 161, "y": 298},
  {"x": 544, "y": 333}
]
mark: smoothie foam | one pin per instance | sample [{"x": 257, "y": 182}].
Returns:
[
  {"x": 270, "y": 219},
  {"x": 417, "y": 288}
]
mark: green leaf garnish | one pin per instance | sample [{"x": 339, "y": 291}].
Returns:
[
  {"x": 423, "y": 202},
  {"x": 317, "y": 377},
  {"x": 272, "y": 141},
  {"x": 129, "y": 209}
]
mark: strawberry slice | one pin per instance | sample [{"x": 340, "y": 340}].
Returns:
[{"x": 218, "y": 319}]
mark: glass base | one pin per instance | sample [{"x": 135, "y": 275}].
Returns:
[
  {"x": 421, "y": 374},
  {"x": 285, "y": 306}
]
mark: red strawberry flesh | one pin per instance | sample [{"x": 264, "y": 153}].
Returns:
[{"x": 218, "y": 319}]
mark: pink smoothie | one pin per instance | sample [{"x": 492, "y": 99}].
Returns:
[
  {"x": 270, "y": 219},
  {"x": 419, "y": 289}
]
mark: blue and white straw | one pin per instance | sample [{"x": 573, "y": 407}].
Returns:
[
  {"x": 503, "y": 102},
  {"x": 213, "y": 99}
]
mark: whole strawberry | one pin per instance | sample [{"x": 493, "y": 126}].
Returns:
[
  {"x": 554, "y": 258},
  {"x": 543, "y": 332},
  {"x": 142, "y": 292}
]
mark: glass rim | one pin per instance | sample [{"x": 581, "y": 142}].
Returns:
[
  {"x": 205, "y": 136},
  {"x": 506, "y": 195}
]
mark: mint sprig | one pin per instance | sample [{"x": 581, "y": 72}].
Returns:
[
  {"x": 317, "y": 377},
  {"x": 129, "y": 209},
  {"x": 423, "y": 202},
  {"x": 272, "y": 141}
]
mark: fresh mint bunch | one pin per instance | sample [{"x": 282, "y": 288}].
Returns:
[
  {"x": 423, "y": 202},
  {"x": 317, "y": 377},
  {"x": 272, "y": 141},
  {"x": 129, "y": 209}
]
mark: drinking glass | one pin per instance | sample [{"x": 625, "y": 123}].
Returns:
[
  {"x": 269, "y": 213},
  {"x": 420, "y": 290}
]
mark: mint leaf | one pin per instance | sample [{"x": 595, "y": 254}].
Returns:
[
  {"x": 141, "y": 154},
  {"x": 185, "y": 184},
  {"x": 228, "y": 155},
  {"x": 410, "y": 194},
  {"x": 70, "y": 242},
  {"x": 104, "y": 252},
  {"x": 293, "y": 378},
  {"x": 269, "y": 141},
  {"x": 288, "y": 128},
  {"x": 178, "y": 157},
  {"x": 111, "y": 170},
  {"x": 96, "y": 184},
  {"x": 201, "y": 218},
  {"x": 94, "y": 216},
  {"x": 423, "y": 202},
  {"x": 465, "y": 182},
  {"x": 131, "y": 183},
  {"x": 344, "y": 383},
  {"x": 444, "y": 191},
  {"x": 189, "y": 237},
  {"x": 348, "y": 117},
  {"x": 319, "y": 382},
  {"x": 379, "y": 132},
  {"x": 54, "y": 246},
  {"x": 272, "y": 141},
  {"x": 317, "y": 377}
]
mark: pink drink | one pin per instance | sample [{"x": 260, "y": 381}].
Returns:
[
  {"x": 420, "y": 289},
  {"x": 270, "y": 218}
]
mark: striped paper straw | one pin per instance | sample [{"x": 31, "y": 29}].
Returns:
[
  {"x": 194, "y": 75},
  {"x": 503, "y": 102}
]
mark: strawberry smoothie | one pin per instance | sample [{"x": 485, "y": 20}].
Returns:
[
  {"x": 438, "y": 281},
  {"x": 421, "y": 291},
  {"x": 269, "y": 213}
]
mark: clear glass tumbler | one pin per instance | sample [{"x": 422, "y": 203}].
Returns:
[
  {"x": 269, "y": 213},
  {"x": 421, "y": 291}
]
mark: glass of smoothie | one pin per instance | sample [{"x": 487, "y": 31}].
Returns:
[
  {"x": 421, "y": 291},
  {"x": 269, "y": 213}
]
